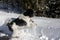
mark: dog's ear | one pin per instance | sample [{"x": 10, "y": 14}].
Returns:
[
  {"x": 10, "y": 26},
  {"x": 19, "y": 22}
]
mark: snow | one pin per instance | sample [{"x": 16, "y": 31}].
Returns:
[{"x": 46, "y": 29}]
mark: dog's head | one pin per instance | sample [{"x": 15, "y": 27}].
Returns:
[{"x": 29, "y": 13}]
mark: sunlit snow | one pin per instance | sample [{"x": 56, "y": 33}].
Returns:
[{"x": 46, "y": 29}]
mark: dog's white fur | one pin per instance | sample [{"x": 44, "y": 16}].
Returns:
[
  {"x": 17, "y": 29},
  {"x": 27, "y": 19}
]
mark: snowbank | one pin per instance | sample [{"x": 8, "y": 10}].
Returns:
[{"x": 47, "y": 28}]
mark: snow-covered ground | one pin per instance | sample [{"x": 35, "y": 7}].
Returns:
[{"x": 47, "y": 28}]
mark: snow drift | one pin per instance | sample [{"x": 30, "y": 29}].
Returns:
[{"x": 46, "y": 29}]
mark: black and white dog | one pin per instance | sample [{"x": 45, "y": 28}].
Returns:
[{"x": 22, "y": 22}]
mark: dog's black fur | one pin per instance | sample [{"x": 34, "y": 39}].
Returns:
[
  {"x": 29, "y": 13},
  {"x": 19, "y": 22}
]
